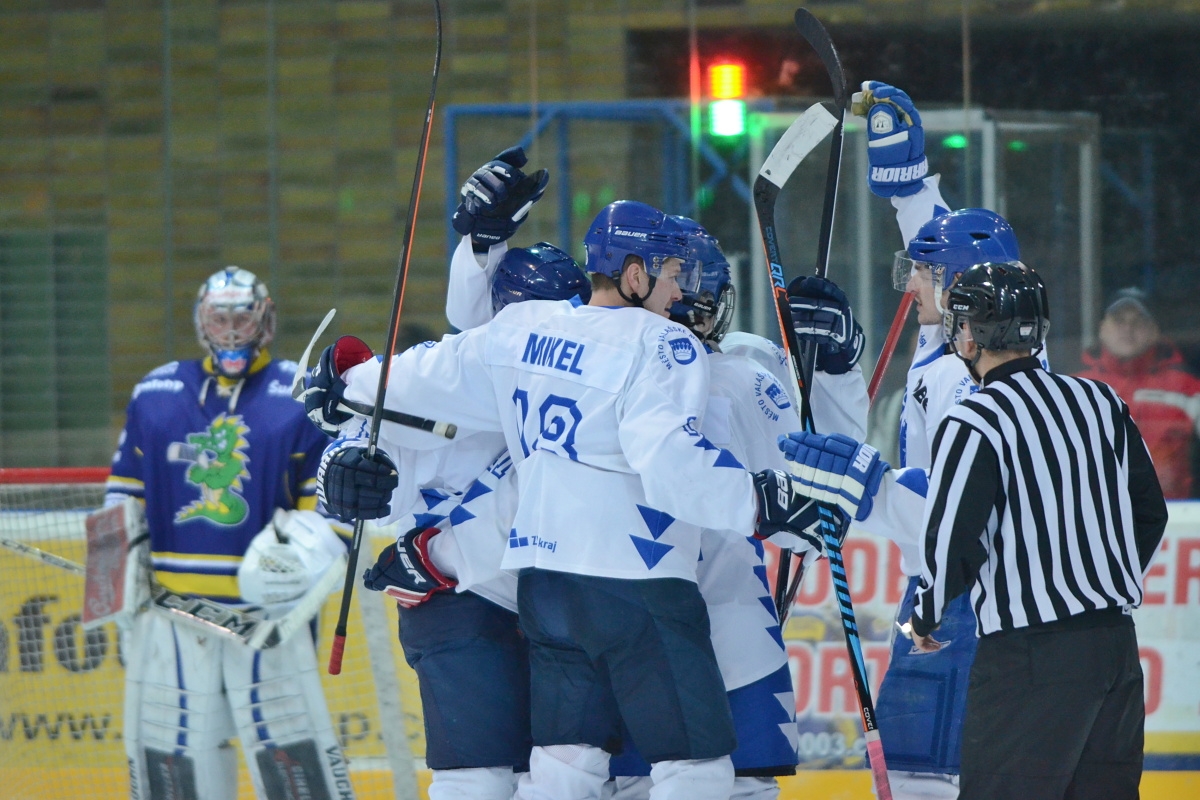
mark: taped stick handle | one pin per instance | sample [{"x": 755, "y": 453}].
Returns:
[{"x": 335, "y": 654}]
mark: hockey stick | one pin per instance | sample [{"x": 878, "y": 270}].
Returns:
[
  {"x": 339, "y": 635},
  {"x": 889, "y": 347},
  {"x": 209, "y": 616},
  {"x": 818, "y": 38},
  {"x": 445, "y": 429}
]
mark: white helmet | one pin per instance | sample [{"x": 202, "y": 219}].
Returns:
[{"x": 235, "y": 319}]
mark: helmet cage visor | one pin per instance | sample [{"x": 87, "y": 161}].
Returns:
[
  {"x": 905, "y": 268},
  {"x": 688, "y": 278}
]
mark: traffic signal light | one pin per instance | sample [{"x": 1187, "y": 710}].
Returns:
[{"x": 727, "y": 88}]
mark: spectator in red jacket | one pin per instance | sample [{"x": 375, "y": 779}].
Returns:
[{"x": 1148, "y": 372}]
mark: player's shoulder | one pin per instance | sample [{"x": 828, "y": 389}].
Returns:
[
  {"x": 168, "y": 379},
  {"x": 276, "y": 378}
]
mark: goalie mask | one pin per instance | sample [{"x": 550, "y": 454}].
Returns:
[
  {"x": 235, "y": 320},
  {"x": 708, "y": 311},
  {"x": 950, "y": 244}
]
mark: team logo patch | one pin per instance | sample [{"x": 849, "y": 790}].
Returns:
[
  {"x": 682, "y": 350},
  {"x": 778, "y": 396},
  {"x": 218, "y": 464},
  {"x": 881, "y": 122}
]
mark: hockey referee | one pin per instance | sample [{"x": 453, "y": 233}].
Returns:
[{"x": 1044, "y": 504}]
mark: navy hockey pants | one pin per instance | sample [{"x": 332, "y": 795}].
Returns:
[
  {"x": 605, "y": 651},
  {"x": 472, "y": 665}
]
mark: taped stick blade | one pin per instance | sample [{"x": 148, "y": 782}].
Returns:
[
  {"x": 801, "y": 137},
  {"x": 302, "y": 367}
]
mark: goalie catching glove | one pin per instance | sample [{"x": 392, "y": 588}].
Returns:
[
  {"x": 405, "y": 572},
  {"x": 835, "y": 469},
  {"x": 287, "y": 557},
  {"x": 786, "y": 518},
  {"x": 323, "y": 385},
  {"x": 497, "y": 198}
]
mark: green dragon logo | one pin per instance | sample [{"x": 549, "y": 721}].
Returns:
[{"x": 218, "y": 464}]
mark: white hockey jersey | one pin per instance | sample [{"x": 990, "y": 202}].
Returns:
[{"x": 600, "y": 410}]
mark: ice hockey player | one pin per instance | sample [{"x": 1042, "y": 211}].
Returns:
[
  {"x": 456, "y": 504},
  {"x": 748, "y": 410},
  {"x": 226, "y": 465},
  {"x": 605, "y": 399},
  {"x": 922, "y": 698}
]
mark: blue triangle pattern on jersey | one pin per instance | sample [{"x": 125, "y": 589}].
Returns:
[
  {"x": 427, "y": 520},
  {"x": 459, "y": 515},
  {"x": 768, "y": 604},
  {"x": 657, "y": 521},
  {"x": 726, "y": 459},
  {"x": 777, "y": 635},
  {"x": 704, "y": 444},
  {"x": 760, "y": 572},
  {"x": 432, "y": 497},
  {"x": 476, "y": 489},
  {"x": 651, "y": 552}
]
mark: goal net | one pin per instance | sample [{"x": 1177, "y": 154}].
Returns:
[{"x": 61, "y": 688}]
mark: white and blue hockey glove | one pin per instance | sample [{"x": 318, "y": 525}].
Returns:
[
  {"x": 324, "y": 387},
  {"x": 353, "y": 486},
  {"x": 895, "y": 140},
  {"x": 821, "y": 314},
  {"x": 405, "y": 572},
  {"x": 786, "y": 517},
  {"x": 496, "y": 199},
  {"x": 835, "y": 469}
]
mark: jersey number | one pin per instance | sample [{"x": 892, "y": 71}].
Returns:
[{"x": 557, "y": 418}]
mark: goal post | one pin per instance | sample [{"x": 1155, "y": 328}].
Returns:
[{"x": 62, "y": 688}]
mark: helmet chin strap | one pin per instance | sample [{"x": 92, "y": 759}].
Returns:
[
  {"x": 637, "y": 300},
  {"x": 972, "y": 363}
]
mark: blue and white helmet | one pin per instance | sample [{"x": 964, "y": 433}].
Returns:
[
  {"x": 708, "y": 311},
  {"x": 951, "y": 243},
  {"x": 235, "y": 319},
  {"x": 539, "y": 272},
  {"x": 629, "y": 228}
]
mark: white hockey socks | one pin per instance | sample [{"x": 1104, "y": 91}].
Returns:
[
  {"x": 706, "y": 779},
  {"x": 564, "y": 772},
  {"x": 480, "y": 783}
]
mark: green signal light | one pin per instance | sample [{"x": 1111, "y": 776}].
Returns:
[
  {"x": 727, "y": 117},
  {"x": 955, "y": 141},
  {"x": 1017, "y": 146}
]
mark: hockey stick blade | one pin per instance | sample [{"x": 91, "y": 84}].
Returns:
[
  {"x": 813, "y": 32},
  {"x": 800, "y": 139},
  {"x": 302, "y": 366}
]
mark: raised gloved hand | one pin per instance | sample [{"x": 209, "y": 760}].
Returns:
[
  {"x": 895, "y": 140},
  {"x": 835, "y": 469},
  {"x": 405, "y": 572},
  {"x": 287, "y": 557},
  {"x": 496, "y": 199},
  {"x": 786, "y": 517},
  {"x": 324, "y": 387},
  {"x": 353, "y": 486},
  {"x": 821, "y": 314}
]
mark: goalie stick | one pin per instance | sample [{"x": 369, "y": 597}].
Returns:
[
  {"x": 339, "y": 634},
  {"x": 209, "y": 616},
  {"x": 813, "y": 32}
]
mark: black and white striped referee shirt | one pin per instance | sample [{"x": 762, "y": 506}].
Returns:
[{"x": 1043, "y": 502}]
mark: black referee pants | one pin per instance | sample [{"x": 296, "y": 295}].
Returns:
[{"x": 1056, "y": 711}]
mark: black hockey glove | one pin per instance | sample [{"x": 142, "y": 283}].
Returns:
[
  {"x": 787, "y": 518},
  {"x": 324, "y": 387},
  {"x": 821, "y": 314},
  {"x": 496, "y": 199},
  {"x": 405, "y": 572},
  {"x": 354, "y": 487}
]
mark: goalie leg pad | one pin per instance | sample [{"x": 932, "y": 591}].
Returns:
[
  {"x": 176, "y": 717},
  {"x": 472, "y": 666},
  {"x": 923, "y": 696},
  {"x": 283, "y": 722}
]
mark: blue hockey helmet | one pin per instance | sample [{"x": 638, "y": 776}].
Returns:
[
  {"x": 235, "y": 319},
  {"x": 629, "y": 228},
  {"x": 539, "y": 272},
  {"x": 708, "y": 311},
  {"x": 953, "y": 242}
]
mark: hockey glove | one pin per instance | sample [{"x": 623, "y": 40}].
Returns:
[
  {"x": 895, "y": 140},
  {"x": 324, "y": 387},
  {"x": 786, "y": 518},
  {"x": 497, "y": 198},
  {"x": 821, "y": 314},
  {"x": 354, "y": 487},
  {"x": 405, "y": 572},
  {"x": 835, "y": 469}
]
